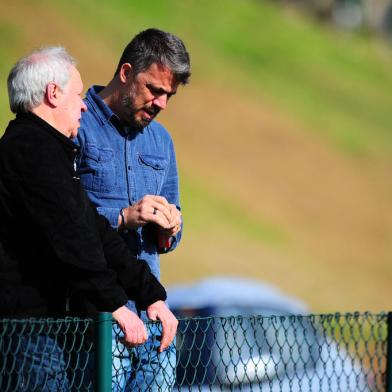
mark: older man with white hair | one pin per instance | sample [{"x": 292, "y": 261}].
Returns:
[{"x": 55, "y": 248}]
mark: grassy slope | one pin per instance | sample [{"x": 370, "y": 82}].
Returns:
[{"x": 283, "y": 138}]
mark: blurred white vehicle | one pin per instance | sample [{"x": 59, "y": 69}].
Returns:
[{"x": 272, "y": 345}]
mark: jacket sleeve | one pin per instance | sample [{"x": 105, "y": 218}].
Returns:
[
  {"x": 57, "y": 211},
  {"x": 134, "y": 275}
]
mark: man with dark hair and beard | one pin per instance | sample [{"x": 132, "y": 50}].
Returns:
[{"x": 128, "y": 167}]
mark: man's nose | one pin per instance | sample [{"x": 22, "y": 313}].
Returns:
[{"x": 160, "y": 101}]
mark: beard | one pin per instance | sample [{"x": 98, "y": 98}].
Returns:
[{"x": 130, "y": 111}]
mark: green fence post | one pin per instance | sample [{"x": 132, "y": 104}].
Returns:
[
  {"x": 103, "y": 352},
  {"x": 388, "y": 376}
]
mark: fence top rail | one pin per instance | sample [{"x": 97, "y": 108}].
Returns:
[
  {"x": 310, "y": 316},
  {"x": 48, "y": 320}
]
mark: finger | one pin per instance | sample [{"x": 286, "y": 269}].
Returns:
[
  {"x": 177, "y": 222},
  {"x": 129, "y": 343},
  {"x": 169, "y": 330},
  {"x": 175, "y": 211},
  {"x": 129, "y": 339},
  {"x": 161, "y": 215},
  {"x": 154, "y": 212},
  {"x": 144, "y": 334},
  {"x": 155, "y": 199},
  {"x": 136, "y": 331},
  {"x": 172, "y": 231},
  {"x": 175, "y": 230},
  {"x": 175, "y": 215},
  {"x": 136, "y": 337},
  {"x": 161, "y": 221},
  {"x": 167, "y": 339}
]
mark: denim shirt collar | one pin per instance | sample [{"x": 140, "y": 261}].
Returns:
[
  {"x": 103, "y": 111},
  {"x": 99, "y": 105}
]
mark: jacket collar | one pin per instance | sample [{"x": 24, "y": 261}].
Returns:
[{"x": 45, "y": 126}]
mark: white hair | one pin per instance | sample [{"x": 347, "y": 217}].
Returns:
[{"x": 28, "y": 79}]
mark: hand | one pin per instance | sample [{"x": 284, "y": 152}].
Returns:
[
  {"x": 175, "y": 220},
  {"x": 159, "y": 311},
  {"x": 164, "y": 235},
  {"x": 150, "y": 208},
  {"x": 135, "y": 332}
]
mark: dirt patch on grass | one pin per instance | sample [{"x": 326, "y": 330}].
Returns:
[{"x": 336, "y": 208}]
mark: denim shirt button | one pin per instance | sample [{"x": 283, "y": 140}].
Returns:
[
  {"x": 125, "y": 231},
  {"x": 129, "y": 167}
]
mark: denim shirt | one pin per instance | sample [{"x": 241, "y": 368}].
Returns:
[{"x": 118, "y": 166}]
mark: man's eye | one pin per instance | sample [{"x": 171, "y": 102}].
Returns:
[{"x": 155, "y": 91}]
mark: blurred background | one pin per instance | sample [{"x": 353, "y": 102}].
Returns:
[{"x": 283, "y": 136}]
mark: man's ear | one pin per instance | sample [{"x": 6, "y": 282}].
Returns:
[
  {"x": 52, "y": 94},
  {"x": 125, "y": 72}
]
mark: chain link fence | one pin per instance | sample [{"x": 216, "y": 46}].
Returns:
[
  {"x": 284, "y": 353},
  {"x": 339, "y": 352},
  {"x": 45, "y": 355}
]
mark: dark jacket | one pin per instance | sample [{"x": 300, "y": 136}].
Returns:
[{"x": 52, "y": 241}]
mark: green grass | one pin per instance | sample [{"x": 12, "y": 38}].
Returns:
[
  {"x": 337, "y": 84},
  {"x": 334, "y": 86},
  {"x": 9, "y": 38},
  {"x": 204, "y": 208}
]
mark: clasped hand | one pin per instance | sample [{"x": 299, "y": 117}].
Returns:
[{"x": 154, "y": 209}]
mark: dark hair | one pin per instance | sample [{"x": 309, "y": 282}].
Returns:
[{"x": 153, "y": 46}]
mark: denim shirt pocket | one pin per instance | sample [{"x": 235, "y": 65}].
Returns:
[
  {"x": 153, "y": 168},
  {"x": 97, "y": 169}
]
